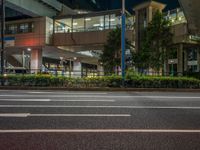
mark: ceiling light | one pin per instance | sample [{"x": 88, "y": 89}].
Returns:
[
  {"x": 87, "y": 19},
  {"x": 96, "y": 25},
  {"x": 75, "y": 23}
]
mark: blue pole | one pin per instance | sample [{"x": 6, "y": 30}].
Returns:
[{"x": 123, "y": 46}]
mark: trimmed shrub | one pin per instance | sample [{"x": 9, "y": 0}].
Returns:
[{"x": 110, "y": 81}]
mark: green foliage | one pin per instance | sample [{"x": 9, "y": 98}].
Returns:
[
  {"x": 156, "y": 46},
  {"x": 133, "y": 81},
  {"x": 111, "y": 57}
]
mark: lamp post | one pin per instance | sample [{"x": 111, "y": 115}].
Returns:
[
  {"x": 123, "y": 46},
  {"x": 2, "y": 37}
]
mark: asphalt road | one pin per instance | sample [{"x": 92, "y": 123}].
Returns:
[{"x": 58, "y": 120}]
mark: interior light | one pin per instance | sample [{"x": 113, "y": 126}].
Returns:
[
  {"x": 87, "y": 19},
  {"x": 75, "y": 23},
  {"x": 29, "y": 49},
  {"x": 96, "y": 25},
  {"x": 112, "y": 19}
]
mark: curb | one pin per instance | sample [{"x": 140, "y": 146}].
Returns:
[{"x": 101, "y": 89}]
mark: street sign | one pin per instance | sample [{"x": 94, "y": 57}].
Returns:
[{"x": 9, "y": 41}]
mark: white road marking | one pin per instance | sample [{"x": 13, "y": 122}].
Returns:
[
  {"x": 120, "y": 107},
  {"x": 15, "y": 115},
  {"x": 100, "y": 131},
  {"x": 105, "y": 96},
  {"x": 49, "y": 100},
  {"x": 26, "y": 100},
  {"x": 83, "y": 100},
  {"x": 61, "y": 115},
  {"x": 68, "y": 93},
  {"x": 79, "y": 115}
]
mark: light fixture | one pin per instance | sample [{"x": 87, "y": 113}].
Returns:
[
  {"x": 87, "y": 19},
  {"x": 75, "y": 23},
  {"x": 112, "y": 19},
  {"x": 29, "y": 49},
  {"x": 75, "y": 58},
  {"x": 96, "y": 25}
]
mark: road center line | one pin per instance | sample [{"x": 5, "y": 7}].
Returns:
[
  {"x": 100, "y": 131},
  {"x": 120, "y": 107}
]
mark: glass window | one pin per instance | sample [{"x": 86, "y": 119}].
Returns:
[
  {"x": 114, "y": 21},
  {"x": 78, "y": 25},
  {"x": 192, "y": 55},
  {"x": 11, "y": 29},
  {"x": 107, "y": 21},
  {"x": 94, "y": 23},
  {"x": 23, "y": 28},
  {"x": 65, "y": 25}
]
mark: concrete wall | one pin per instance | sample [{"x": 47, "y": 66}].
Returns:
[
  {"x": 84, "y": 38},
  {"x": 36, "y": 38}
]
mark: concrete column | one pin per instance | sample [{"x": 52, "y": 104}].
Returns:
[
  {"x": 198, "y": 60},
  {"x": 180, "y": 59},
  {"x": 185, "y": 60},
  {"x": 136, "y": 30},
  {"x": 36, "y": 60},
  {"x": 149, "y": 14},
  {"x": 100, "y": 70},
  {"x": 77, "y": 69}
]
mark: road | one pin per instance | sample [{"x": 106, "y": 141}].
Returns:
[{"x": 72, "y": 120}]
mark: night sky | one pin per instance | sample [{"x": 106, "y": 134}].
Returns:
[
  {"x": 112, "y": 4},
  {"x": 115, "y": 4}
]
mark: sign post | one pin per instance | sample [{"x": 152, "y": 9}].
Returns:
[
  {"x": 2, "y": 37},
  {"x": 123, "y": 46},
  {"x": 2, "y": 34}
]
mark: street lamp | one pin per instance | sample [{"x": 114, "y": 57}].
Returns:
[{"x": 123, "y": 46}]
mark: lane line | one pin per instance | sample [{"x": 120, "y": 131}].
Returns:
[
  {"x": 49, "y": 100},
  {"x": 120, "y": 107},
  {"x": 61, "y": 115},
  {"x": 79, "y": 115},
  {"x": 26, "y": 100},
  {"x": 69, "y": 93},
  {"x": 15, "y": 115},
  {"x": 100, "y": 131},
  {"x": 105, "y": 96}
]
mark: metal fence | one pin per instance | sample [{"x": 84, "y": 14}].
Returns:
[{"x": 95, "y": 73}]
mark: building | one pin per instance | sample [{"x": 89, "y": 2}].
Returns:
[
  {"x": 59, "y": 40},
  {"x": 185, "y": 42}
]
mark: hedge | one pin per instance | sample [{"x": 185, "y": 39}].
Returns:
[{"x": 112, "y": 81}]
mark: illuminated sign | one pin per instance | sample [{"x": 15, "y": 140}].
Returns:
[
  {"x": 9, "y": 41},
  {"x": 195, "y": 38}
]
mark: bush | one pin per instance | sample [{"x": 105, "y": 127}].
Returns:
[{"x": 135, "y": 81}]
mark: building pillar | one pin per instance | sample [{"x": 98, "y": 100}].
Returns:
[
  {"x": 185, "y": 60},
  {"x": 36, "y": 60},
  {"x": 180, "y": 60},
  {"x": 77, "y": 69},
  {"x": 198, "y": 59},
  {"x": 136, "y": 30},
  {"x": 100, "y": 70}
]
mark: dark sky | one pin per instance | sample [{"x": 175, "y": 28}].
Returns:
[
  {"x": 112, "y": 4},
  {"x": 115, "y": 4}
]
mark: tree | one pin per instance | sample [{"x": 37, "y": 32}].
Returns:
[
  {"x": 157, "y": 44},
  {"x": 111, "y": 56}
]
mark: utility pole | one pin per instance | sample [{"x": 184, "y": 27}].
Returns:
[
  {"x": 2, "y": 37},
  {"x": 123, "y": 45}
]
